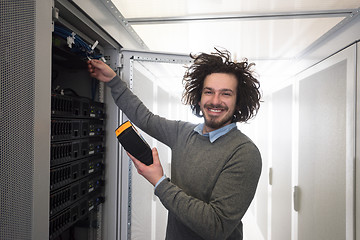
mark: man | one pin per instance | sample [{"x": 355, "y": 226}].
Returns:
[{"x": 215, "y": 168}]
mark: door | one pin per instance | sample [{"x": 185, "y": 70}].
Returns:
[
  {"x": 281, "y": 175},
  {"x": 326, "y": 148}
]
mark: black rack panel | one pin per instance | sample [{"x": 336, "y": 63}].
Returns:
[
  {"x": 67, "y": 151},
  {"x": 75, "y": 107},
  {"x": 73, "y": 213},
  {"x": 69, "y": 129},
  {"x": 73, "y": 171}
]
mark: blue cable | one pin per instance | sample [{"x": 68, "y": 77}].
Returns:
[{"x": 79, "y": 46}]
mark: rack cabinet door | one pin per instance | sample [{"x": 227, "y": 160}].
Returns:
[{"x": 326, "y": 149}]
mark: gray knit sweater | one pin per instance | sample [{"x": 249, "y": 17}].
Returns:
[{"x": 212, "y": 184}]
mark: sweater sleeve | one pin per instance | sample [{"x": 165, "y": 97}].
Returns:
[
  {"x": 230, "y": 198},
  {"x": 140, "y": 115}
]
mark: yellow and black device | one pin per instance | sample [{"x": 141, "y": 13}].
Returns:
[{"x": 133, "y": 142}]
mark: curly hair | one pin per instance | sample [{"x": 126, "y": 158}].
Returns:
[{"x": 248, "y": 93}]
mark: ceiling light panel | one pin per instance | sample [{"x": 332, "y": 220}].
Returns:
[
  {"x": 166, "y": 8},
  {"x": 270, "y": 39}
]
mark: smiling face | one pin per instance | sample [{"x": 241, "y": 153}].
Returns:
[{"x": 218, "y": 100}]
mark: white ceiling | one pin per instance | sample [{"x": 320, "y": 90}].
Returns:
[{"x": 263, "y": 31}]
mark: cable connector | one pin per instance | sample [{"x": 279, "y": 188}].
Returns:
[
  {"x": 95, "y": 44},
  {"x": 71, "y": 39}
]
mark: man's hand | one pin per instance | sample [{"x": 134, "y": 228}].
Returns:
[
  {"x": 153, "y": 172},
  {"x": 100, "y": 70}
]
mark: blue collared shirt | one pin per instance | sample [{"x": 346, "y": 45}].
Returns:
[{"x": 213, "y": 135}]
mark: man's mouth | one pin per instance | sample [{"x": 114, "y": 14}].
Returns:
[{"x": 215, "y": 109}]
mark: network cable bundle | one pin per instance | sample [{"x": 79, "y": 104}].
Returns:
[{"x": 76, "y": 44}]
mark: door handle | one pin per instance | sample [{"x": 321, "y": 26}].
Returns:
[{"x": 296, "y": 196}]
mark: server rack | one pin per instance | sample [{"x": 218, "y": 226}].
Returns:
[
  {"x": 81, "y": 17},
  {"x": 29, "y": 183},
  {"x": 79, "y": 120},
  {"x": 77, "y": 145}
]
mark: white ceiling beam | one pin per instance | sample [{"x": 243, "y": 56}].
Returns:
[{"x": 248, "y": 16}]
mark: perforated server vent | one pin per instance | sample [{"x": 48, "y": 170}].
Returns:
[{"x": 17, "y": 64}]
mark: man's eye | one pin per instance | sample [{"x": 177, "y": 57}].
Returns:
[
  {"x": 207, "y": 92},
  {"x": 226, "y": 94}
]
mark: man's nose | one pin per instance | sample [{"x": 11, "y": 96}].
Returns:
[{"x": 216, "y": 99}]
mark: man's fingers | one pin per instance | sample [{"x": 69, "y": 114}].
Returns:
[
  {"x": 100, "y": 70},
  {"x": 155, "y": 155},
  {"x": 153, "y": 172},
  {"x": 132, "y": 158},
  {"x": 136, "y": 162}
]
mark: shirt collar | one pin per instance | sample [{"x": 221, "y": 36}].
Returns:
[{"x": 216, "y": 133}]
